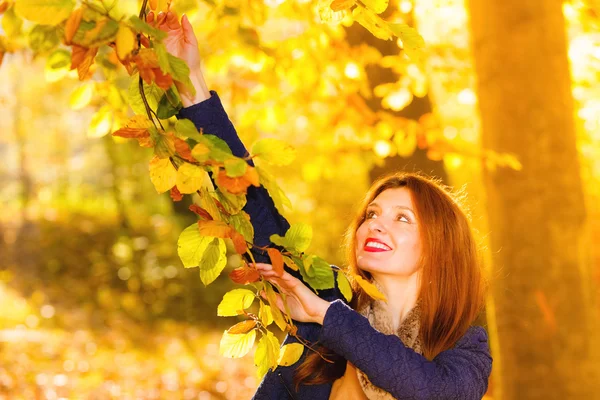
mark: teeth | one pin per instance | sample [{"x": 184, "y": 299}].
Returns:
[{"x": 377, "y": 245}]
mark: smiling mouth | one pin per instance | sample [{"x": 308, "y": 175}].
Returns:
[{"x": 375, "y": 246}]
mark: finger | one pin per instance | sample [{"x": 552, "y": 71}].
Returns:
[
  {"x": 150, "y": 17},
  {"x": 172, "y": 21},
  {"x": 161, "y": 18},
  {"x": 188, "y": 30}
]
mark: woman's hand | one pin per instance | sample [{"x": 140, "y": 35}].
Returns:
[
  {"x": 303, "y": 303},
  {"x": 182, "y": 43}
]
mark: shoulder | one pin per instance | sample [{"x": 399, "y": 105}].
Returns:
[
  {"x": 471, "y": 351},
  {"x": 476, "y": 336}
]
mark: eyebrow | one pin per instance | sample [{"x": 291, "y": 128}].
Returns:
[{"x": 396, "y": 207}]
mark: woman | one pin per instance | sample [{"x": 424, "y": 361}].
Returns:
[{"x": 411, "y": 239}]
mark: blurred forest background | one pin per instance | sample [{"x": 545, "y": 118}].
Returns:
[{"x": 505, "y": 101}]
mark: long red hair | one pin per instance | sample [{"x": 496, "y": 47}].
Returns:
[{"x": 452, "y": 288}]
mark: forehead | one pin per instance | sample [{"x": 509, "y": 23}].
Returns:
[{"x": 394, "y": 197}]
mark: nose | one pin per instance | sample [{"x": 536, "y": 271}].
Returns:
[{"x": 375, "y": 225}]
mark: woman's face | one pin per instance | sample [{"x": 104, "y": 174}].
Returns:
[{"x": 388, "y": 241}]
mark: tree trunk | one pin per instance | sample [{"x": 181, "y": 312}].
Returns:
[{"x": 537, "y": 215}]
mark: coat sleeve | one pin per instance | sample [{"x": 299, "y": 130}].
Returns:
[
  {"x": 458, "y": 373},
  {"x": 210, "y": 116}
]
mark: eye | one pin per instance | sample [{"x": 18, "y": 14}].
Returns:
[
  {"x": 370, "y": 214},
  {"x": 403, "y": 218}
]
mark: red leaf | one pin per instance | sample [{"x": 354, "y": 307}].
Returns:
[
  {"x": 175, "y": 194},
  {"x": 239, "y": 242},
  {"x": 276, "y": 260},
  {"x": 72, "y": 24},
  {"x": 244, "y": 275},
  {"x": 201, "y": 212}
]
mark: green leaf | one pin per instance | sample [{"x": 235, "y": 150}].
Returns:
[
  {"x": 237, "y": 345},
  {"x": 47, "y": 12},
  {"x": 267, "y": 353},
  {"x": 153, "y": 94},
  {"x": 43, "y": 38},
  {"x": 180, "y": 71},
  {"x": 213, "y": 261},
  {"x": 412, "y": 42},
  {"x": 163, "y": 57},
  {"x": 164, "y": 146},
  {"x": 290, "y": 354},
  {"x": 234, "y": 302},
  {"x": 186, "y": 128},
  {"x": 96, "y": 33},
  {"x": 279, "y": 241},
  {"x": 191, "y": 178},
  {"x": 165, "y": 109},
  {"x": 143, "y": 27},
  {"x": 322, "y": 274},
  {"x": 307, "y": 262},
  {"x": 274, "y": 151},
  {"x": 282, "y": 202},
  {"x": 236, "y": 167},
  {"x": 241, "y": 223},
  {"x": 219, "y": 150},
  {"x": 191, "y": 246},
  {"x": 344, "y": 286},
  {"x": 299, "y": 236}
]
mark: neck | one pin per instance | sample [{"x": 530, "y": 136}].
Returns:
[{"x": 401, "y": 294}]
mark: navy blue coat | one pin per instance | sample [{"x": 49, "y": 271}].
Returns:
[{"x": 459, "y": 373}]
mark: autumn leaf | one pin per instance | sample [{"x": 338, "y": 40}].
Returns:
[
  {"x": 125, "y": 42},
  {"x": 82, "y": 58},
  {"x": 176, "y": 195},
  {"x": 45, "y": 12},
  {"x": 272, "y": 298},
  {"x": 265, "y": 314},
  {"x": 201, "y": 212},
  {"x": 267, "y": 353},
  {"x": 147, "y": 63},
  {"x": 242, "y": 327},
  {"x": 369, "y": 288},
  {"x": 191, "y": 178},
  {"x": 276, "y": 260},
  {"x": 213, "y": 228},
  {"x": 213, "y": 260},
  {"x": 238, "y": 241},
  {"x": 290, "y": 354},
  {"x": 191, "y": 246},
  {"x": 238, "y": 185},
  {"x": 372, "y": 22},
  {"x": 162, "y": 174},
  {"x": 164, "y": 144},
  {"x": 290, "y": 263},
  {"x": 236, "y": 345},
  {"x": 340, "y": 5},
  {"x": 183, "y": 149},
  {"x": 72, "y": 24},
  {"x": 244, "y": 275},
  {"x": 344, "y": 286},
  {"x": 274, "y": 151},
  {"x": 137, "y": 128},
  {"x": 377, "y": 6},
  {"x": 235, "y": 302}
]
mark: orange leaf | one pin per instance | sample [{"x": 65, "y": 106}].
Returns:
[
  {"x": 1, "y": 56},
  {"x": 82, "y": 59},
  {"x": 72, "y": 24},
  {"x": 217, "y": 229},
  {"x": 175, "y": 194},
  {"x": 3, "y": 7},
  {"x": 183, "y": 149},
  {"x": 238, "y": 241},
  {"x": 276, "y": 260},
  {"x": 137, "y": 128},
  {"x": 201, "y": 212},
  {"x": 242, "y": 327},
  {"x": 240, "y": 184},
  {"x": 244, "y": 275},
  {"x": 162, "y": 80},
  {"x": 153, "y": 4}
]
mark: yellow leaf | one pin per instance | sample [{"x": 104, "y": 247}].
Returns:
[
  {"x": 125, "y": 42},
  {"x": 290, "y": 263},
  {"x": 344, "y": 286},
  {"x": 72, "y": 24},
  {"x": 162, "y": 174},
  {"x": 267, "y": 353},
  {"x": 372, "y": 22},
  {"x": 339, "y": 5},
  {"x": 82, "y": 96},
  {"x": 236, "y": 345},
  {"x": 277, "y": 315},
  {"x": 369, "y": 288},
  {"x": 327, "y": 14},
  {"x": 45, "y": 12},
  {"x": 101, "y": 122},
  {"x": 218, "y": 229},
  {"x": 191, "y": 178},
  {"x": 265, "y": 314},
  {"x": 242, "y": 327},
  {"x": 274, "y": 151},
  {"x": 234, "y": 302},
  {"x": 290, "y": 354},
  {"x": 377, "y": 6}
]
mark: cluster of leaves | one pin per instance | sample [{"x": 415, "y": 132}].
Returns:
[{"x": 187, "y": 161}]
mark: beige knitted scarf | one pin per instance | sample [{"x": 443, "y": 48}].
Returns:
[{"x": 376, "y": 312}]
